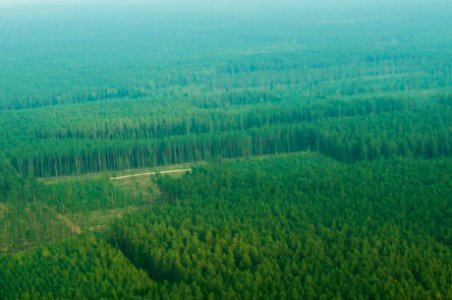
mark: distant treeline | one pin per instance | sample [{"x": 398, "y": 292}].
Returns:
[{"x": 347, "y": 130}]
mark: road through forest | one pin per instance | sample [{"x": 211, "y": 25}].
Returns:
[{"x": 179, "y": 171}]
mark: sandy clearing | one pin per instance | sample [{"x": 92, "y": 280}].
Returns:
[{"x": 74, "y": 228}]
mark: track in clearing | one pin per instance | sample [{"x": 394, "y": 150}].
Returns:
[{"x": 180, "y": 171}]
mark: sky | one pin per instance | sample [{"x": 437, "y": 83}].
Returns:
[
  {"x": 237, "y": 5},
  {"x": 125, "y": 2}
]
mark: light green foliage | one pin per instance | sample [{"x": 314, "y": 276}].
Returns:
[
  {"x": 353, "y": 101},
  {"x": 79, "y": 269},
  {"x": 83, "y": 195}
]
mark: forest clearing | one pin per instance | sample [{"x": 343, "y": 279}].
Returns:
[{"x": 225, "y": 149}]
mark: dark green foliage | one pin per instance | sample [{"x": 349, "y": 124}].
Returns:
[
  {"x": 445, "y": 99},
  {"x": 11, "y": 183},
  {"x": 300, "y": 227},
  {"x": 7, "y": 179},
  {"x": 345, "y": 130},
  {"x": 127, "y": 95}
]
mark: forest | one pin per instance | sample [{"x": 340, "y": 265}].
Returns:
[{"x": 226, "y": 151}]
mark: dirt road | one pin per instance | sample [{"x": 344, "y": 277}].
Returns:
[{"x": 180, "y": 171}]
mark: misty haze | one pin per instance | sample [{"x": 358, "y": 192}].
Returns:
[{"x": 207, "y": 149}]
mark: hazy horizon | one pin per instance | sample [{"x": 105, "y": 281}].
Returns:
[{"x": 213, "y": 149}]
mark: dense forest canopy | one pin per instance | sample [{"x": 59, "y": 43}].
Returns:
[
  {"x": 309, "y": 146},
  {"x": 301, "y": 226}
]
